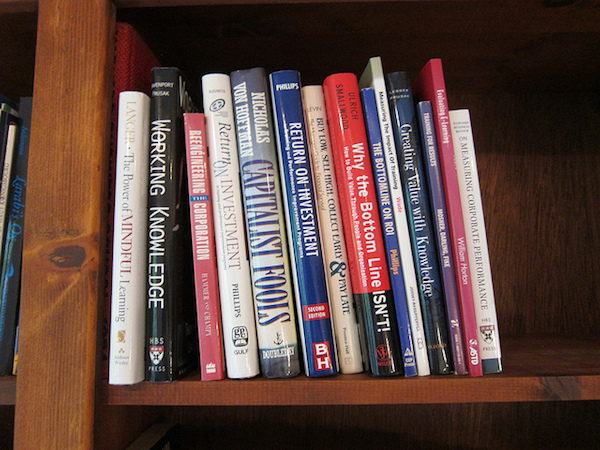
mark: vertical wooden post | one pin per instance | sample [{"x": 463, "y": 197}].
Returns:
[{"x": 63, "y": 265}]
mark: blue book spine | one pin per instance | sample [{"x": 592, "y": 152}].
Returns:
[
  {"x": 306, "y": 254},
  {"x": 416, "y": 198},
  {"x": 433, "y": 176},
  {"x": 389, "y": 229},
  {"x": 265, "y": 225}
]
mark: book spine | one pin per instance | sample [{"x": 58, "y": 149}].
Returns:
[
  {"x": 237, "y": 304},
  {"x": 265, "y": 226},
  {"x": 345, "y": 323},
  {"x": 12, "y": 243},
  {"x": 306, "y": 254},
  {"x": 362, "y": 224},
  {"x": 374, "y": 77},
  {"x": 430, "y": 85},
  {"x": 129, "y": 266},
  {"x": 440, "y": 220},
  {"x": 481, "y": 272},
  {"x": 171, "y": 336},
  {"x": 206, "y": 282},
  {"x": 389, "y": 228}
]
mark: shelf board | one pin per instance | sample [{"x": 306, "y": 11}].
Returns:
[
  {"x": 535, "y": 369},
  {"x": 8, "y": 389}
]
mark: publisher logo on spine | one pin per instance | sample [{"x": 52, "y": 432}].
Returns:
[
  {"x": 156, "y": 354},
  {"x": 487, "y": 333},
  {"x": 383, "y": 355},
  {"x": 217, "y": 105},
  {"x": 239, "y": 336},
  {"x": 322, "y": 356}
]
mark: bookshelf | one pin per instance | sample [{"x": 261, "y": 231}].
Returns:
[{"x": 529, "y": 72}]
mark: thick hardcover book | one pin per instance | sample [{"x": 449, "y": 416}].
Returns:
[
  {"x": 130, "y": 248},
  {"x": 481, "y": 271},
  {"x": 373, "y": 76},
  {"x": 437, "y": 202},
  {"x": 312, "y": 298},
  {"x": 12, "y": 242},
  {"x": 171, "y": 336},
  {"x": 392, "y": 246},
  {"x": 272, "y": 282},
  {"x": 206, "y": 282},
  {"x": 430, "y": 85},
  {"x": 133, "y": 63},
  {"x": 235, "y": 283},
  {"x": 362, "y": 224},
  {"x": 416, "y": 197},
  {"x": 341, "y": 299}
]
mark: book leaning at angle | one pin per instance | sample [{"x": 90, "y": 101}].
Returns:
[
  {"x": 416, "y": 199},
  {"x": 341, "y": 299},
  {"x": 430, "y": 85},
  {"x": 129, "y": 265},
  {"x": 362, "y": 224},
  {"x": 272, "y": 282},
  {"x": 374, "y": 77},
  {"x": 392, "y": 247},
  {"x": 481, "y": 272},
  {"x": 14, "y": 185},
  {"x": 206, "y": 282},
  {"x": 306, "y": 254},
  {"x": 446, "y": 261},
  {"x": 171, "y": 336},
  {"x": 235, "y": 284}
]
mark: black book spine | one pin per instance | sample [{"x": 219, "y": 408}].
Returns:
[{"x": 171, "y": 341}]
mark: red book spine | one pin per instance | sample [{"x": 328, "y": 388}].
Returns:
[
  {"x": 362, "y": 223},
  {"x": 430, "y": 85},
  {"x": 212, "y": 364}
]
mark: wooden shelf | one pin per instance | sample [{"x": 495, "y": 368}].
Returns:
[
  {"x": 8, "y": 390},
  {"x": 535, "y": 369}
]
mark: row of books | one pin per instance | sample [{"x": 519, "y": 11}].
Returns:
[
  {"x": 15, "y": 125},
  {"x": 287, "y": 226}
]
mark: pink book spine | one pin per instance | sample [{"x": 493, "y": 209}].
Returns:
[
  {"x": 430, "y": 85},
  {"x": 212, "y": 364}
]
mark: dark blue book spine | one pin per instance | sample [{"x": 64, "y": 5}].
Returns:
[
  {"x": 433, "y": 175},
  {"x": 389, "y": 228},
  {"x": 303, "y": 230},
  {"x": 416, "y": 198},
  {"x": 12, "y": 249}
]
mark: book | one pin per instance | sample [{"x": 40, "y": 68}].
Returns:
[
  {"x": 341, "y": 299},
  {"x": 14, "y": 186},
  {"x": 306, "y": 253},
  {"x": 133, "y": 63},
  {"x": 9, "y": 128},
  {"x": 130, "y": 249},
  {"x": 362, "y": 225},
  {"x": 392, "y": 247},
  {"x": 430, "y": 85},
  {"x": 271, "y": 272},
  {"x": 437, "y": 202},
  {"x": 481, "y": 271},
  {"x": 416, "y": 198},
  {"x": 235, "y": 284},
  {"x": 206, "y": 281},
  {"x": 373, "y": 76},
  {"x": 171, "y": 336}
]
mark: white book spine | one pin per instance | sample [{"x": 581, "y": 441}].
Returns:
[
  {"x": 345, "y": 322},
  {"x": 374, "y": 77},
  {"x": 235, "y": 285},
  {"x": 6, "y": 171},
  {"x": 128, "y": 303},
  {"x": 481, "y": 272}
]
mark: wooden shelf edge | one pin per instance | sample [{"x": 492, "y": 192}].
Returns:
[
  {"x": 535, "y": 369},
  {"x": 359, "y": 390},
  {"x": 8, "y": 390}
]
